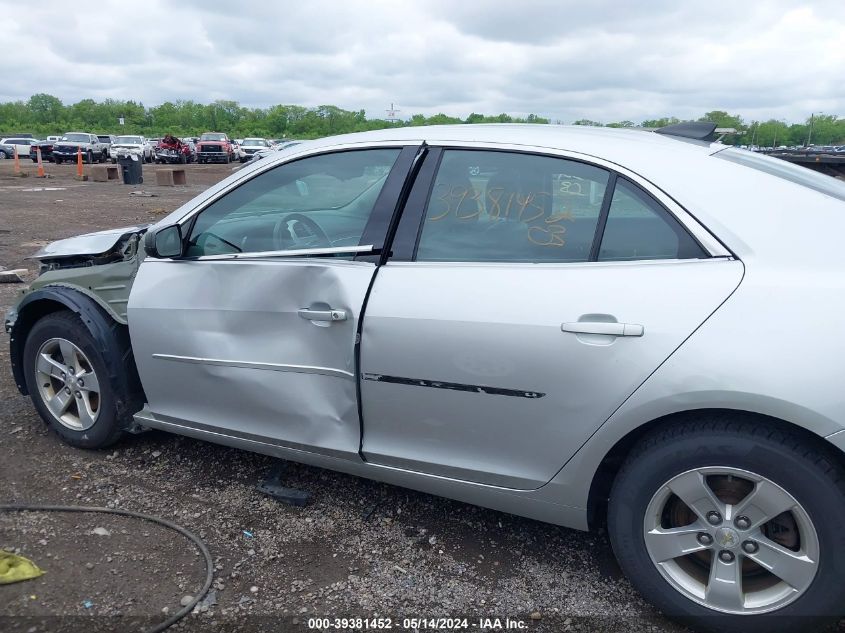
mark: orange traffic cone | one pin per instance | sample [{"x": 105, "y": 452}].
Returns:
[
  {"x": 17, "y": 161},
  {"x": 79, "y": 162},
  {"x": 41, "y": 173}
]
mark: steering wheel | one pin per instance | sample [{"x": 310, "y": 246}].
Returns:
[{"x": 284, "y": 232}]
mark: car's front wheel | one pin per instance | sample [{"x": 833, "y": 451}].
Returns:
[
  {"x": 733, "y": 525},
  {"x": 67, "y": 379}
]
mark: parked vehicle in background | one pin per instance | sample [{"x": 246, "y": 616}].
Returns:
[
  {"x": 173, "y": 150},
  {"x": 92, "y": 148},
  {"x": 252, "y": 145},
  {"x": 269, "y": 151},
  {"x": 568, "y": 323},
  {"x": 131, "y": 144},
  {"x": 46, "y": 148},
  {"x": 107, "y": 140},
  {"x": 237, "y": 151},
  {"x": 192, "y": 149},
  {"x": 6, "y": 151},
  {"x": 214, "y": 147},
  {"x": 22, "y": 144}
]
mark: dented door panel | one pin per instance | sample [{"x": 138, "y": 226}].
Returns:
[{"x": 221, "y": 345}]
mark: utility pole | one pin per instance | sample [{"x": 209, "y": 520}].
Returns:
[
  {"x": 391, "y": 113},
  {"x": 810, "y": 133}
]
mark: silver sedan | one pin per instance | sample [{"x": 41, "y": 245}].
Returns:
[{"x": 590, "y": 327}]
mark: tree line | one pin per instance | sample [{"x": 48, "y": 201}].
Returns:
[{"x": 44, "y": 114}]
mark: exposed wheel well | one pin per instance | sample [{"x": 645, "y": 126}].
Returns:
[
  {"x": 26, "y": 319},
  {"x": 105, "y": 330},
  {"x": 612, "y": 462}
]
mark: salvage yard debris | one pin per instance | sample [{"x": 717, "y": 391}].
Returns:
[
  {"x": 12, "y": 276},
  {"x": 16, "y": 568}
]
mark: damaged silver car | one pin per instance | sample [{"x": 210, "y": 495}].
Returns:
[{"x": 590, "y": 327}]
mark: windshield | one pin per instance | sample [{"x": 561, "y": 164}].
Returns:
[
  {"x": 787, "y": 171},
  {"x": 213, "y": 136},
  {"x": 76, "y": 138},
  {"x": 255, "y": 141},
  {"x": 128, "y": 140}
]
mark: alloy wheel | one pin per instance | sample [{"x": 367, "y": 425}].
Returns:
[
  {"x": 731, "y": 540},
  {"x": 68, "y": 384}
]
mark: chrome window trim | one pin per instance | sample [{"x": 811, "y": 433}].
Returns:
[
  {"x": 302, "y": 252},
  {"x": 707, "y": 240},
  {"x": 538, "y": 265}
]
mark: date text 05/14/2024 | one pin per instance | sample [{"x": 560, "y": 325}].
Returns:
[{"x": 418, "y": 624}]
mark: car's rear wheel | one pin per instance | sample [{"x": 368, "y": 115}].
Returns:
[
  {"x": 67, "y": 379},
  {"x": 732, "y": 525},
  {"x": 89, "y": 157}
]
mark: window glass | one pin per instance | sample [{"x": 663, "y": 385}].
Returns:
[
  {"x": 787, "y": 171},
  {"x": 318, "y": 202},
  {"x": 639, "y": 228},
  {"x": 511, "y": 207}
]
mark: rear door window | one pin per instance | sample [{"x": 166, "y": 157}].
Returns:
[{"x": 493, "y": 206}]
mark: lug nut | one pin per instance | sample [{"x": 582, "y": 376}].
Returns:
[
  {"x": 750, "y": 547},
  {"x": 725, "y": 556},
  {"x": 80, "y": 382},
  {"x": 67, "y": 390},
  {"x": 70, "y": 370},
  {"x": 742, "y": 522},
  {"x": 705, "y": 539},
  {"x": 77, "y": 394},
  {"x": 714, "y": 518}
]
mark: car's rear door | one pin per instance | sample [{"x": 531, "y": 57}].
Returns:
[
  {"x": 252, "y": 333},
  {"x": 528, "y": 296}
]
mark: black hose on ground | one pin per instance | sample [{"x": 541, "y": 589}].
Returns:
[{"x": 209, "y": 564}]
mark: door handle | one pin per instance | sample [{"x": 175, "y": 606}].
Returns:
[
  {"x": 603, "y": 327},
  {"x": 322, "y": 315}
]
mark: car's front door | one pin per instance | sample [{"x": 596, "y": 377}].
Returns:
[
  {"x": 252, "y": 332},
  {"x": 540, "y": 294}
]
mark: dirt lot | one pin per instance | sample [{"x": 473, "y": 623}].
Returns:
[{"x": 360, "y": 548}]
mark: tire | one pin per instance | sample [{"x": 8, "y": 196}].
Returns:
[
  {"x": 114, "y": 161},
  {"x": 788, "y": 469},
  {"x": 103, "y": 157},
  {"x": 182, "y": 159},
  {"x": 3, "y": 156},
  {"x": 108, "y": 406},
  {"x": 89, "y": 157},
  {"x": 228, "y": 159},
  {"x": 58, "y": 160}
]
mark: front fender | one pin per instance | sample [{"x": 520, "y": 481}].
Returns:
[{"x": 111, "y": 336}]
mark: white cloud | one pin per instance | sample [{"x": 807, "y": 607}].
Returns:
[{"x": 604, "y": 60}]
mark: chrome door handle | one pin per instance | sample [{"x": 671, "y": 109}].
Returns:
[
  {"x": 323, "y": 315},
  {"x": 603, "y": 327}
]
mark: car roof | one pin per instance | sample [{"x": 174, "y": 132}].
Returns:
[
  {"x": 639, "y": 150},
  {"x": 579, "y": 138}
]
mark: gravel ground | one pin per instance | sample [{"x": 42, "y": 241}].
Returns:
[{"x": 359, "y": 549}]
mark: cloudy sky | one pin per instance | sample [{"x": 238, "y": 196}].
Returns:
[{"x": 605, "y": 60}]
